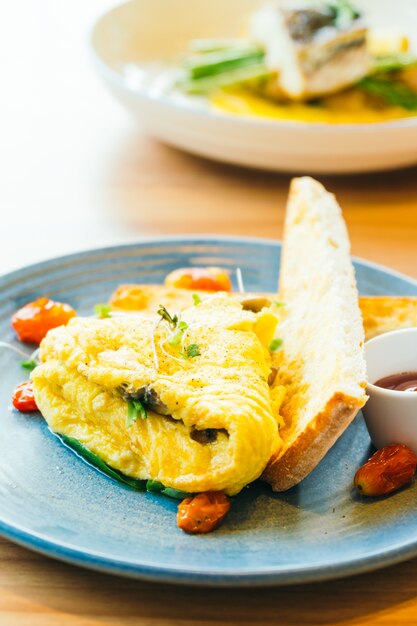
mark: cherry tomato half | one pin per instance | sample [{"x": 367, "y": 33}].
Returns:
[
  {"x": 33, "y": 321},
  {"x": 386, "y": 471},
  {"x": 199, "y": 278},
  {"x": 23, "y": 398},
  {"x": 202, "y": 513}
]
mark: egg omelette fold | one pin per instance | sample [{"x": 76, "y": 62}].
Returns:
[{"x": 211, "y": 415}]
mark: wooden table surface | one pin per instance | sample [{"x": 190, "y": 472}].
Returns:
[{"x": 77, "y": 172}]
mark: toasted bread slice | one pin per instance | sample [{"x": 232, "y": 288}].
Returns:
[
  {"x": 384, "y": 313},
  {"x": 321, "y": 362}
]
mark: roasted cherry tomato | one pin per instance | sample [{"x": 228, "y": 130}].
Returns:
[
  {"x": 202, "y": 513},
  {"x": 129, "y": 298},
  {"x": 387, "y": 470},
  {"x": 23, "y": 398},
  {"x": 33, "y": 321},
  {"x": 199, "y": 278}
]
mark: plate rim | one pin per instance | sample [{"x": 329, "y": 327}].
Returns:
[
  {"x": 188, "y": 238},
  {"x": 259, "y": 576},
  {"x": 256, "y": 577},
  {"x": 116, "y": 79}
]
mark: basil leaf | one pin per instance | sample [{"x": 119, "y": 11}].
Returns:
[{"x": 95, "y": 461}]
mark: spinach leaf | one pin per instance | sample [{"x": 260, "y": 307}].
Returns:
[{"x": 95, "y": 461}]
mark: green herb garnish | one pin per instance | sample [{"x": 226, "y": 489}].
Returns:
[
  {"x": 92, "y": 459},
  {"x": 154, "y": 486},
  {"x": 208, "y": 84},
  {"x": 192, "y": 351},
  {"x": 393, "y": 92},
  {"x": 394, "y": 62},
  {"x": 174, "y": 323},
  {"x": 196, "y": 299},
  {"x": 214, "y": 64},
  {"x": 177, "y": 336},
  {"x": 29, "y": 365},
  {"x": 175, "y": 493},
  {"x": 275, "y": 345},
  {"x": 217, "y": 62},
  {"x": 180, "y": 327},
  {"x": 135, "y": 409},
  {"x": 171, "y": 319},
  {"x": 102, "y": 310},
  {"x": 344, "y": 13},
  {"x": 278, "y": 303}
]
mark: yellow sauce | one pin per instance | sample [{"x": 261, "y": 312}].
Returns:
[{"x": 350, "y": 107}]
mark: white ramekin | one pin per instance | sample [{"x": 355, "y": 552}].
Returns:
[{"x": 391, "y": 416}]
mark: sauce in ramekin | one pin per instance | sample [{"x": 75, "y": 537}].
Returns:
[{"x": 405, "y": 381}]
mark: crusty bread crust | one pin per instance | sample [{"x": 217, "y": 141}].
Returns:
[
  {"x": 286, "y": 471},
  {"x": 322, "y": 363}
]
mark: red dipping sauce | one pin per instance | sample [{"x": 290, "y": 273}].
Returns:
[{"x": 406, "y": 381}]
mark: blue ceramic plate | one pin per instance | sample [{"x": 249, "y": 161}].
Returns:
[{"x": 54, "y": 503}]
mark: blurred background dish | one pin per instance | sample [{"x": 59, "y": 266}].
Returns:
[{"x": 139, "y": 63}]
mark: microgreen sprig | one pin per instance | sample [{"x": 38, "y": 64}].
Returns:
[
  {"x": 102, "y": 310},
  {"x": 344, "y": 13},
  {"x": 171, "y": 319},
  {"x": 177, "y": 336},
  {"x": 180, "y": 328}
]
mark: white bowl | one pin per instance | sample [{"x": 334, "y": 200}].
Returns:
[
  {"x": 132, "y": 42},
  {"x": 391, "y": 416}
]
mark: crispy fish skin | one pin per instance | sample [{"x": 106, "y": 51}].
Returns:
[
  {"x": 310, "y": 53},
  {"x": 224, "y": 390}
]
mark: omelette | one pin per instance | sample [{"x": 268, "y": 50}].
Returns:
[{"x": 208, "y": 418}]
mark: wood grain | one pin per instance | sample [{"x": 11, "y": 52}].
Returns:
[{"x": 77, "y": 173}]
